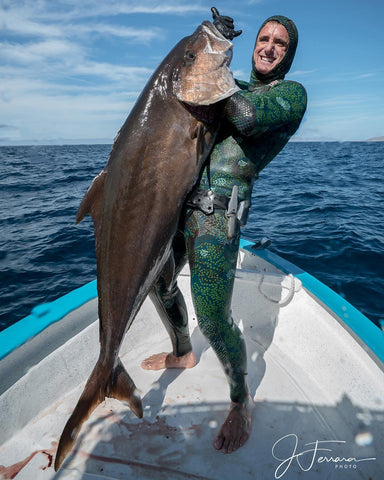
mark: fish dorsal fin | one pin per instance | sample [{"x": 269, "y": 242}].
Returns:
[{"x": 92, "y": 204}]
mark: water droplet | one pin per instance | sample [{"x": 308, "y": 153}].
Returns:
[{"x": 363, "y": 439}]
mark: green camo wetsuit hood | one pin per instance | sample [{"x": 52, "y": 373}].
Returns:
[{"x": 282, "y": 68}]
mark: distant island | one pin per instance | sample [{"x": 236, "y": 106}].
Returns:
[{"x": 375, "y": 139}]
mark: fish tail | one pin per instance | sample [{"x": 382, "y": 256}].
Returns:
[
  {"x": 91, "y": 397},
  {"x": 117, "y": 384},
  {"x": 122, "y": 387}
]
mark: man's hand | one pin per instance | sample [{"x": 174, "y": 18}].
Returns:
[{"x": 224, "y": 25}]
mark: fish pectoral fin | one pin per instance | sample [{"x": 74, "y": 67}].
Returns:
[
  {"x": 122, "y": 387},
  {"x": 102, "y": 382},
  {"x": 199, "y": 134},
  {"x": 195, "y": 130},
  {"x": 92, "y": 202}
]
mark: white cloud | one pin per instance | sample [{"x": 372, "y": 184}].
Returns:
[
  {"x": 364, "y": 76},
  {"x": 345, "y": 102},
  {"x": 66, "y": 115},
  {"x": 73, "y": 68},
  {"x": 238, "y": 73},
  {"x": 38, "y": 52},
  {"x": 348, "y": 117},
  {"x": 94, "y": 8},
  {"x": 301, "y": 73},
  {"x": 133, "y": 34},
  {"x": 17, "y": 22},
  {"x": 65, "y": 10},
  {"x": 113, "y": 72},
  {"x": 19, "y": 83},
  {"x": 53, "y": 84}
]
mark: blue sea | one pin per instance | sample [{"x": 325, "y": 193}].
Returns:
[{"x": 321, "y": 205}]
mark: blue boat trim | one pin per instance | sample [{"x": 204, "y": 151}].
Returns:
[
  {"x": 364, "y": 328},
  {"x": 44, "y": 315}
]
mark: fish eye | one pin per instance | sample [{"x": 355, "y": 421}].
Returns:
[{"x": 190, "y": 56}]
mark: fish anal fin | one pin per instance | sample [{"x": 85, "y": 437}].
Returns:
[
  {"x": 103, "y": 382},
  {"x": 92, "y": 202}
]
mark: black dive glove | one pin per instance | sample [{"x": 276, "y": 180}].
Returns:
[{"x": 224, "y": 25}]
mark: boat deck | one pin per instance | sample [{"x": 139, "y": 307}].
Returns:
[{"x": 315, "y": 391}]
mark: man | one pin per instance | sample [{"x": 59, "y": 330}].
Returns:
[{"x": 258, "y": 122}]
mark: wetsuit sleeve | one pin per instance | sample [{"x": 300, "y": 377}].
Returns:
[{"x": 253, "y": 113}]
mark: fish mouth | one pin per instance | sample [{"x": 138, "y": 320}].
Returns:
[
  {"x": 214, "y": 31},
  {"x": 226, "y": 47}
]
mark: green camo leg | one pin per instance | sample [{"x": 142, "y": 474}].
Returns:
[{"x": 212, "y": 259}]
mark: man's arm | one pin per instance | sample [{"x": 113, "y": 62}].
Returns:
[{"x": 253, "y": 113}]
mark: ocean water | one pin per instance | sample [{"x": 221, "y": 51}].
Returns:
[{"x": 321, "y": 205}]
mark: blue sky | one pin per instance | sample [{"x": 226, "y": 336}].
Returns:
[{"x": 71, "y": 70}]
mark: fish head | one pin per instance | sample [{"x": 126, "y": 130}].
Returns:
[{"x": 204, "y": 77}]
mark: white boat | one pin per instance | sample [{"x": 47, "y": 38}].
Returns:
[{"x": 315, "y": 370}]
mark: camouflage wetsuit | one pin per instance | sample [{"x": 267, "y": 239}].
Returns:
[{"x": 259, "y": 120}]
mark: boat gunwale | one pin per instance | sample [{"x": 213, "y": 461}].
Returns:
[{"x": 369, "y": 336}]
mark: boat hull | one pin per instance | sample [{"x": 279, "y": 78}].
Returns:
[{"x": 311, "y": 379}]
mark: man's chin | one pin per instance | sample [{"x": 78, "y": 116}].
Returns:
[
  {"x": 264, "y": 71},
  {"x": 264, "y": 67}
]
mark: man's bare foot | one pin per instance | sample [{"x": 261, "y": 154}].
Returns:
[
  {"x": 236, "y": 428},
  {"x": 159, "y": 361}
]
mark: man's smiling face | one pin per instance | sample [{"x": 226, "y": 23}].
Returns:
[{"x": 271, "y": 47}]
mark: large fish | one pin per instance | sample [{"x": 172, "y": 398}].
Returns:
[{"x": 135, "y": 202}]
